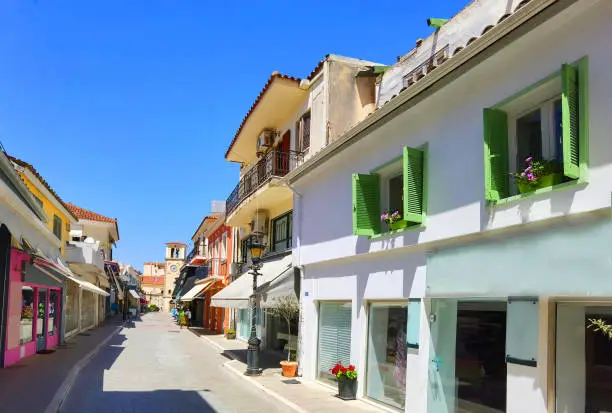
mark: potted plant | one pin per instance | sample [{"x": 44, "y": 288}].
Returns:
[
  {"x": 347, "y": 381},
  {"x": 394, "y": 219},
  {"x": 230, "y": 334},
  {"x": 286, "y": 308},
  {"x": 537, "y": 175}
]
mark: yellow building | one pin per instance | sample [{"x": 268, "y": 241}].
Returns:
[{"x": 60, "y": 218}]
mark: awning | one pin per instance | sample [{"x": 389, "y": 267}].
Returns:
[
  {"x": 47, "y": 266},
  {"x": 134, "y": 294},
  {"x": 111, "y": 272},
  {"x": 285, "y": 284},
  {"x": 236, "y": 295},
  {"x": 200, "y": 288}
]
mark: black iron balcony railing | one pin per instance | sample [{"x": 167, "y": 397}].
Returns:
[
  {"x": 191, "y": 254},
  {"x": 274, "y": 164}
]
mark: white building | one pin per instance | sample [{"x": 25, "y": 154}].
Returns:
[{"x": 481, "y": 303}]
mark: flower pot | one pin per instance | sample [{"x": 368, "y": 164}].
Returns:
[
  {"x": 398, "y": 225},
  {"x": 289, "y": 368},
  {"x": 347, "y": 389},
  {"x": 230, "y": 336},
  {"x": 545, "y": 182}
]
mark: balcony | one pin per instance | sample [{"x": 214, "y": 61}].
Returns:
[
  {"x": 218, "y": 267},
  {"x": 274, "y": 164},
  {"x": 85, "y": 253}
]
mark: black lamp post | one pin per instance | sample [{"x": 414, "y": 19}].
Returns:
[{"x": 256, "y": 248}]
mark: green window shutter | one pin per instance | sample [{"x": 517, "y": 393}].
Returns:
[
  {"x": 496, "y": 154},
  {"x": 414, "y": 162},
  {"x": 366, "y": 204},
  {"x": 570, "y": 116}
]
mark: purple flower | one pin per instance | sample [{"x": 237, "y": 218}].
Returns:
[
  {"x": 396, "y": 213},
  {"x": 529, "y": 168},
  {"x": 523, "y": 174},
  {"x": 528, "y": 160},
  {"x": 530, "y": 177}
]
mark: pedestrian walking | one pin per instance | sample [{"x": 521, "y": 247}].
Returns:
[
  {"x": 174, "y": 313},
  {"x": 188, "y": 317},
  {"x": 182, "y": 319}
]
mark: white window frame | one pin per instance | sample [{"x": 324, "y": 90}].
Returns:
[
  {"x": 392, "y": 170},
  {"x": 224, "y": 246},
  {"x": 542, "y": 97}
]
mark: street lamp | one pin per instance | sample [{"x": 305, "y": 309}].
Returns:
[{"x": 256, "y": 248}]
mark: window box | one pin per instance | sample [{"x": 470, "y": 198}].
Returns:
[
  {"x": 545, "y": 182},
  {"x": 394, "y": 226}
]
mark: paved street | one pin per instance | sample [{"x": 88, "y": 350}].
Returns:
[{"x": 155, "y": 367}]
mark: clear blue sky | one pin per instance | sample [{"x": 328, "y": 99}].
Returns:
[{"x": 127, "y": 107}]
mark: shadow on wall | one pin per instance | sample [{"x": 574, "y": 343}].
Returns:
[{"x": 560, "y": 205}]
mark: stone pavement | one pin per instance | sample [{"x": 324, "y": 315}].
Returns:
[
  {"x": 156, "y": 367},
  {"x": 30, "y": 385},
  {"x": 298, "y": 395}
]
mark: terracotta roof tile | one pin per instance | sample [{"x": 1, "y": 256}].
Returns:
[
  {"x": 82, "y": 213},
  {"x": 317, "y": 68},
  {"x": 458, "y": 49},
  {"x": 43, "y": 181},
  {"x": 275, "y": 75},
  {"x": 176, "y": 242},
  {"x": 150, "y": 279}
]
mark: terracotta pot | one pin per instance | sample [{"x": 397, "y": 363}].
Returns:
[
  {"x": 289, "y": 368},
  {"x": 347, "y": 389}
]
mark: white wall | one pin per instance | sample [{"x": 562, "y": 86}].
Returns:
[
  {"x": 450, "y": 121},
  {"x": 391, "y": 277}
]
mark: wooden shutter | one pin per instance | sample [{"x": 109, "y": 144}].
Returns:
[
  {"x": 366, "y": 204},
  {"x": 570, "y": 116},
  {"x": 414, "y": 163},
  {"x": 496, "y": 154}
]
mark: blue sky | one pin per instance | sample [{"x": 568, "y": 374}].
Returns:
[{"x": 127, "y": 107}]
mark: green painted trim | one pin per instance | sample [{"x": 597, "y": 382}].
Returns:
[
  {"x": 391, "y": 162},
  {"x": 397, "y": 231},
  {"x": 436, "y": 23},
  {"x": 583, "y": 115},
  {"x": 580, "y": 63},
  {"x": 527, "y": 90},
  {"x": 424, "y": 201},
  {"x": 555, "y": 188}
]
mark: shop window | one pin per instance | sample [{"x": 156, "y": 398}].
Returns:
[
  {"x": 386, "y": 354},
  {"x": 281, "y": 232},
  {"x": 27, "y": 315},
  {"x": 334, "y": 344},
  {"x": 53, "y": 307}
]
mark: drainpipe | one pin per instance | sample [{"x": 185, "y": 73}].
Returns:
[{"x": 301, "y": 270}]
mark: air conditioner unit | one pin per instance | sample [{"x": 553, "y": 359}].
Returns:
[
  {"x": 235, "y": 268},
  {"x": 265, "y": 139},
  {"x": 259, "y": 223}
]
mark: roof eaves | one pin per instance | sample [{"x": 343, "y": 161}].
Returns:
[
  {"x": 42, "y": 181},
  {"x": 271, "y": 79}
]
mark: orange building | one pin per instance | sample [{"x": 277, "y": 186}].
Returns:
[
  {"x": 220, "y": 255},
  {"x": 152, "y": 282}
]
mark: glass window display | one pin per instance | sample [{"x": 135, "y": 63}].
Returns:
[{"x": 27, "y": 315}]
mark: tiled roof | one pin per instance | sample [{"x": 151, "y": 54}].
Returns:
[
  {"x": 275, "y": 75},
  {"x": 150, "y": 279},
  {"x": 204, "y": 220},
  {"x": 42, "y": 181},
  {"x": 317, "y": 68},
  {"x": 154, "y": 263},
  {"x": 82, "y": 213},
  {"x": 429, "y": 66},
  {"x": 176, "y": 242}
]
